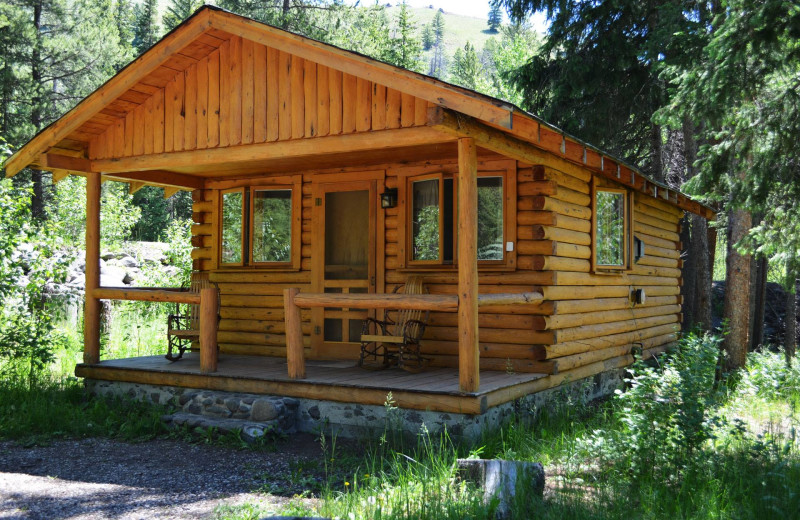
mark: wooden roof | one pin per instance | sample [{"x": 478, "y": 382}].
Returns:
[{"x": 147, "y": 123}]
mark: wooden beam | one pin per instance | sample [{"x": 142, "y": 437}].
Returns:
[
  {"x": 367, "y": 141},
  {"x": 59, "y": 175},
  {"x": 209, "y": 304},
  {"x": 170, "y": 191},
  {"x": 91, "y": 310},
  {"x": 133, "y": 187},
  {"x": 160, "y": 178},
  {"x": 111, "y": 90},
  {"x": 468, "y": 348},
  {"x": 421, "y": 86},
  {"x": 462, "y": 125},
  {"x": 295, "y": 359},
  {"x": 51, "y": 161}
]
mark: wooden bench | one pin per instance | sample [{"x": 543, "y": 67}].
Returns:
[{"x": 395, "y": 341}]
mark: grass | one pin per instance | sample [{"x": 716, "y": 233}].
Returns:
[{"x": 677, "y": 444}]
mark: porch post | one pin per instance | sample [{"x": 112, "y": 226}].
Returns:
[
  {"x": 468, "y": 351},
  {"x": 209, "y": 303},
  {"x": 91, "y": 309}
]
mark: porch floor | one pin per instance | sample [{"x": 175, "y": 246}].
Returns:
[{"x": 433, "y": 389}]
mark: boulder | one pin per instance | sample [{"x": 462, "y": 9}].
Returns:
[
  {"x": 264, "y": 410},
  {"x": 128, "y": 261},
  {"x": 501, "y": 480},
  {"x": 112, "y": 276}
]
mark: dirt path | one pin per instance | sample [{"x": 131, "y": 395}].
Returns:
[{"x": 100, "y": 478}]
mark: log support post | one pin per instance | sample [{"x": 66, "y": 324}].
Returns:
[
  {"x": 294, "y": 335},
  {"x": 468, "y": 351},
  {"x": 91, "y": 310},
  {"x": 209, "y": 303}
]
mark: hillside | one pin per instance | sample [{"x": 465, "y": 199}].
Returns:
[{"x": 459, "y": 29}]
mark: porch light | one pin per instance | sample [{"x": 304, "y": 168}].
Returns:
[{"x": 389, "y": 198}]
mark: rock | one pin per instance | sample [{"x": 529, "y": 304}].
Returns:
[
  {"x": 128, "y": 261},
  {"x": 128, "y": 280},
  {"x": 502, "y": 479},
  {"x": 112, "y": 276},
  {"x": 263, "y": 410}
]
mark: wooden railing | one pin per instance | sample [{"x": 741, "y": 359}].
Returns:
[
  {"x": 294, "y": 300},
  {"x": 207, "y": 299}
]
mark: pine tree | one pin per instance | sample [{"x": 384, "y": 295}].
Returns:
[
  {"x": 437, "y": 26},
  {"x": 178, "y": 11},
  {"x": 146, "y": 29},
  {"x": 124, "y": 21},
  {"x": 427, "y": 37},
  {"x": 466, "y": 68},
  {"x": 405, "y": 48},
  {"x": 495, "y": 17}
]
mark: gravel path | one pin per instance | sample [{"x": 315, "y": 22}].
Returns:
[{"x": 101, "y": 478}]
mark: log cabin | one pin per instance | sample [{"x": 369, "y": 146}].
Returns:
[{"x": 322, "y": 180}]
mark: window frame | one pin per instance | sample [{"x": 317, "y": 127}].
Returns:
[
  {"x": 243, "y": 217},
  {"x": 627, "y": 227},
  {"x": 295, "y": 223},
  {"x": 506, "y": 172},
  {"x": 293, "y": 183}
]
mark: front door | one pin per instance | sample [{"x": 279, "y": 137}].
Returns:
[{"x": 344, "y": 262}]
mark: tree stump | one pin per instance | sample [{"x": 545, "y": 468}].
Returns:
[{"x": 501, "y": 480}]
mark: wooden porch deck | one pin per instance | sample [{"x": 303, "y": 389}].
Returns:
[{"x": 436, "y": 389}]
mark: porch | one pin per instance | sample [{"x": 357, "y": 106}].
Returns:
[{"x": 436, "y": 389}]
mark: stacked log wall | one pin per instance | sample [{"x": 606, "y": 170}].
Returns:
[{"x": 594, "y": 322}]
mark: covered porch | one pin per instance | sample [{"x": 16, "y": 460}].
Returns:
[{"x": 436, "y": 389}]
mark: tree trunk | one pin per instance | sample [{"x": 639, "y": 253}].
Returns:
[
  {"x": 737, "y": 291},
  {"x": 760, "y": 300},
  {"x": 701, "y": 244},
  {"x": 37, "y": 201},
  {"x": 790, "y": 322},
  {"x": 702, "y": 250}
]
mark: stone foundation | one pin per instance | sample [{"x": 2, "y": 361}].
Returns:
[{"x": 257, "y": 415}]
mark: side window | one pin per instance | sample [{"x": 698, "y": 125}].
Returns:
[
  {"x": 232, "y": 223},
  {"x": 271, "y": 226},
  {"x": 433, "y": 217},
  {"x": 611, "y": 229}
]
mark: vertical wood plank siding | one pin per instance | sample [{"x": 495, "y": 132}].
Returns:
[{"x": 225, "y": 99}]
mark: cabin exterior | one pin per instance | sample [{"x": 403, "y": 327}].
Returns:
[{"x": 322, "y": 180}]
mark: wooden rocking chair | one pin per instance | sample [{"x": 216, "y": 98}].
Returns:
[
  {"x": 395, "y": 340},
  {"x": 183, "y": 327}
]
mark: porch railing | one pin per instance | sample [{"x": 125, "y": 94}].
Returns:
[
  {"x": 294, "y": 300},
  {"x": 207, "y": 300}
]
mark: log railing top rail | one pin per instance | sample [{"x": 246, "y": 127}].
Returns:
[
  {"x": 439, "y": 302},
  {"x": 147, "y": 294}
]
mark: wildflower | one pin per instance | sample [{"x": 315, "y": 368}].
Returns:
[{"x": 346, "y": 483}]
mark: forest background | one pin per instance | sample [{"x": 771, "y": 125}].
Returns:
[{"x": 703, "y": 96}]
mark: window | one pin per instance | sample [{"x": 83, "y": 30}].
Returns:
[
  {"x": 232, "y": 250},
  {"x": 259, "y": 226},
  {"x": 271, "y": 217},
  {"x": 611, "y": 214},
  {"x": 433, "y": 217}
]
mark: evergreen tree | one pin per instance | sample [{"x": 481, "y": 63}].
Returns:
[
  {"x": 124, "y": 20},
  {"x": 146, "y": 29},
  {"x": 466, "y": 68},
  {"x": 427, "y": 37},
  {"x": 437, "y": 26},
  {"x": 178, "y": 11},
  {"x": 404, "y": 47},
  {"x": 495, "y": 17}
]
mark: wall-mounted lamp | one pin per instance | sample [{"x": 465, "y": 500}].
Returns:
[{"x": 389, "y": 198}]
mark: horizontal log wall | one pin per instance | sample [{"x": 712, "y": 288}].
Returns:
[
  {"x": 224, "y": 99},
  {"x": 593, "y": 323},
  {"x": 586, "y": 319}
]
